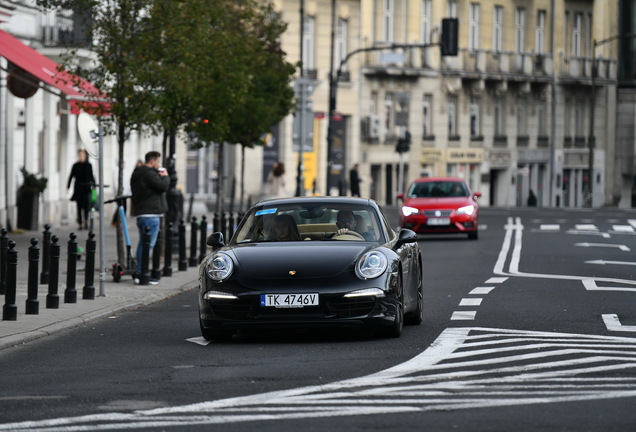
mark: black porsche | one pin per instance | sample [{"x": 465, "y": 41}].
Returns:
[{"x": 311, "y": 261}]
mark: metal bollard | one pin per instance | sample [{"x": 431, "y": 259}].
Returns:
[
  {"x": 223, "y": 223},
  {"x": 52, "y": 298},
  {"x": 203, "y": 234},
  {"x": 194, "y": 227},
  {"x": 88, "y": 292},
  {"x": 216, "y": 223},
  {"x": 46, "y": 246},
  {"x": 167, "y": 258},
  {"x": 230, "y": 230},
  {"x": 10, "y": 309},
  {"x": 32, "y": 306},
  {"x": 144, "y": 277},
  {"x": 70, "y": 293},
  {"x": 4, "y": 247},
  {"x": 183, "y": 261}
]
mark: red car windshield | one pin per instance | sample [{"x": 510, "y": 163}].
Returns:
[{"x": 438, "y": 189}]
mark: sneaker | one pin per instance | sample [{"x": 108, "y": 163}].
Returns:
[
  {"x": 136, "y": 281},
  {"x": 153, "y": 282}
]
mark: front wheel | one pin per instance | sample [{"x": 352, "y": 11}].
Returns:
[
  {"x": 213, "y": 334},
  {"x": 395, "y": 330},
  {"x": 118, "y": 270}
]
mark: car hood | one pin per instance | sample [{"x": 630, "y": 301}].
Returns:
[
  {"x": 277, "y": 260},
  {"x": 439, "y": 203}
]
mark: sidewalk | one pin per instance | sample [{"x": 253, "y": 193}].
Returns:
[{"x": 117, "y": 296}]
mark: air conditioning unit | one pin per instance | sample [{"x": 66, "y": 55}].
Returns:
[{"x": 371, "y": 127}]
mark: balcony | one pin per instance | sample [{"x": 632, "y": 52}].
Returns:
[{"x": 579, "y": 69}]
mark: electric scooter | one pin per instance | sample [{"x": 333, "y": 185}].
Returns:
[{"x": 119, "y": 269}]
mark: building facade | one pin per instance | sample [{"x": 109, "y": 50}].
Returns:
[{"x": 513, "y": 111}]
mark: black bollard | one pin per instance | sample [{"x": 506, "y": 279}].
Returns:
[
  {"x": 144, "y": 277},
  {"x": 70, "y": 293},
  {"x": 52, "y": 298},
  {"x": 183, "y": 260},
  {"x": 32, "y": 303},
  {"x": 167, "y": 258},
  {"x": 10, "y": 309},
  {"x": 193, "y": 242},
  {"x": 88, "y": 292},
  {"x": 223, "y": 225},
  {"x": 155, "y": 273},
  {"x": 46, "y": 246},
  {"x": 230, "y": 230},
  {"x": 203, "y": 237},
  {"x": 216, "y": 223},
  {"x": 4, "y": 247}
]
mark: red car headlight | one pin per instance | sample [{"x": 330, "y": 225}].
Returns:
[
  {"x": 467, "y": 210},
  {"x": 408, "y": 211}
]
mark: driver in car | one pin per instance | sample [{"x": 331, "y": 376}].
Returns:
[{"x": 346, "y": 223}]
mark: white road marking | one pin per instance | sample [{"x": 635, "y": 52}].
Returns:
[
  {"x": 623, "y": 228},
  {"x": 590, "y": 285},
  {"x": 585, "y": 227},
  {"x": 613, "y": 324},
  {"x": 505, "y": 368},
  {"x": 496, "y": 280},
  {"x": 607, "y": 245},
  {"x": 481, "y": 290},
  {"x": 198, "y": 340},
  {"x": 632, "y": 222},
  {"x": 550, "y": 227},
  {"x": 603, "y": 262},
  {"x": 463, "y": 315},
  {"x": 470, "y": 302}
]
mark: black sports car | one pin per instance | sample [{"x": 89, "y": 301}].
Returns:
[{"x": 311, "y": 261}]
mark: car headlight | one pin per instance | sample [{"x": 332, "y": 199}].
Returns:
[
  {"x": 467, "y": 210},
  {"x": 408, "y": 211},
  {"x": 219, "y": 267},
  {"x": 371, "y": 265},
  {"x": 369, "y": 292}
]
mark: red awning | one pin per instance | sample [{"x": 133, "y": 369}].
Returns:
[{"x": 48, "y": 71}]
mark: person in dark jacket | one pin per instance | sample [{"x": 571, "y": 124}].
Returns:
[
  {"x": 82, "y": 172},
  {"x": 149, "y": 184},
  {"x": 354, "y": 181}
]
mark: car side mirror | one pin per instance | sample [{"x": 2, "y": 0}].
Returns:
[
  {"x": 405, "y": 236},
  {"x": 400, "y": 196},
  {"x": 476, "y": 195},
  {"x": 216, "y": 240}
]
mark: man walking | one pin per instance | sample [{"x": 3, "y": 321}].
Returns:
[
  {"x": 149, "y": 185},
  {"x": 354, "y": 181}
]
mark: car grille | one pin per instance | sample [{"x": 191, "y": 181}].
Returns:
[
  {"x": 352, "y": 307},
  {"x": 437, "y": 213},
  {"x": 236, "y": 310}
]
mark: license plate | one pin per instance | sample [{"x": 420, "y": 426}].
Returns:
[
  {"x": 289, "y": 300},
  {"x": 438, "y": 221}
]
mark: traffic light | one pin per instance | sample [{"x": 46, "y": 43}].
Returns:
[
  {"x": 404, "y": 144},
  {"x": 450, "y": 34}
]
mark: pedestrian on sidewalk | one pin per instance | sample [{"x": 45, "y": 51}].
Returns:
[
  {"x": 82, "y": 172},
  {"x": 149, "y": 184},
  {"x": 354, "y": 181}
]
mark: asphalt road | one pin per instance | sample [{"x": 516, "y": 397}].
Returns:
[{"x": 531, "y": 327}]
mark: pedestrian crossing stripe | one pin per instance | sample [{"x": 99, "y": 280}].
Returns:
[{"x": 465, "y": 368}]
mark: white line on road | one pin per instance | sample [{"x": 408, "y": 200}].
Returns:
[
  {"x": 590, "y": 285},
  {"x": 496, "y": 280},
  {"x": 603, "y": 262},
  {"x": 463, "y": 315},
  {"x": 470, "y": 302},
  {"x": 608, "y": 245},
  {"x": 481, "y": 290},
  {"x": 613, "y": 324}
]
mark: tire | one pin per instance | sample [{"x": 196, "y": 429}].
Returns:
[
  {"x": 473, "y": 235},
  {"x": 117, "y": 271},
  {"x": 212, "y": 334},
  {"x": 395, "y": 330},
  {"x": 416, "y": 317}
]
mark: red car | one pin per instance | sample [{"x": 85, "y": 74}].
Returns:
[{"x": 440, "y": 205}]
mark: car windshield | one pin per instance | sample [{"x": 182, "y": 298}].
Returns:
[
  {"x": 317, "y": 222},
  {"x": 438, "y": 189}
]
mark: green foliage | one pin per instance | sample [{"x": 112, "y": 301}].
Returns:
[{"x": 32, "y": 183}]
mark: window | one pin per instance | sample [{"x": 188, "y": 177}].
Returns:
[
  {"x": 426, "y": 21},
  {"x": 539, "y": 36},
  {"x": 387, "y": 20},
  {"x": 579, "y": 107},
  {"x": 522, "y": 118},
  {"x": 542, "y": 118},
  {"x": 451, "y": 9},
  {"x": 427, "y": 115},
  {"x": 497, "y": 35},
  {"x": 520, "y": 30},
  {"x": 475, "y": 118},
  {"x": 473, "y": 27},
  {"x": 576, "y": 35},
  {"x": 499, "y": 117},
  {"x": 388, "y": 113},
  {"x": 341, "y": 43},
  {"x": 308, "y": 43},
  {"x": 452, "y": 115},
  {"x": 567, "y": 118}
]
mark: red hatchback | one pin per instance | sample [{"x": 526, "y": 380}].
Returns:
[{"x": 440, "y": 205}]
